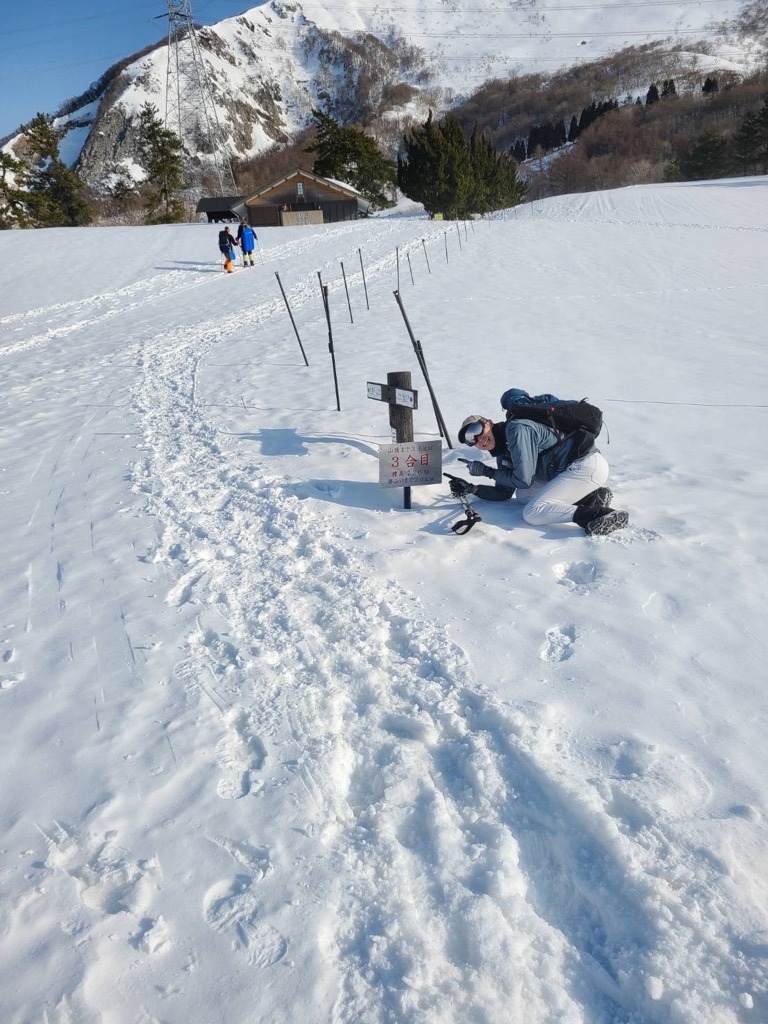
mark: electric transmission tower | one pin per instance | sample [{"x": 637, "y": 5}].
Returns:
[{"x": 189, "y": 108}]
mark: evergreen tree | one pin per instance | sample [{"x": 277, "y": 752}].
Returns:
[
  {"x": 13, "y": 193},
  {"x": 761, "y": 127},
  {"x": 451, "y": 176},
  {"x": 54, "y": 192},
  {"x": 161, "y": 152},
  {"x": 710, "y": 86},
  {"x": 349, "y": 155},
  {"x": 495, "y": 182},
  {"x": 668, "y": 88},
  {"x": 746, "y": 144},
  {"x": 588, "y": 115},
  {"x": 573, "y": 130},
  {"x": 652, "y": 95},
  {"x": 459, "y": 186},
  {"x": 535, "y": 138},
  {"x": 750, "y": 143},
  {"x": 708, "y": 158}
]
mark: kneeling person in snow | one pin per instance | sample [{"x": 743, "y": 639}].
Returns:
[{"x": 545, "y": 471}]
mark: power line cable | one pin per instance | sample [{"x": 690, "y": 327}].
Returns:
[{"x": 76, "y": 19}]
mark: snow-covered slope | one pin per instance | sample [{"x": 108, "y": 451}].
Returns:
[{"x": 275, "y": 748}]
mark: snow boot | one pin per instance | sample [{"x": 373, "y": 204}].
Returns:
[
  {"x": 598, "y": 521},
  {"x": 601, "y": 498}
]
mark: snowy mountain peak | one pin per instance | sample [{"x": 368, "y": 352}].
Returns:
[{"x": 267, "y": 68}]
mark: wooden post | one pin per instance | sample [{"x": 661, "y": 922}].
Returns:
[{"x": 401, "y": 419}]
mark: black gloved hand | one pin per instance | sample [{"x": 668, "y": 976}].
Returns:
[
  {"x": 460, "y": 487},
  {"x": 478, "y": 468}
]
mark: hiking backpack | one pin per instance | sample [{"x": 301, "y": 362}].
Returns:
[{"x": 566, "y": 416}]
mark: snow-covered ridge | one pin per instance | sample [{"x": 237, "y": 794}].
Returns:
[{"x": 270, "y": 66}]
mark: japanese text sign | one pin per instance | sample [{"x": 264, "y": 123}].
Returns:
[{"x": 410, "y": 463}]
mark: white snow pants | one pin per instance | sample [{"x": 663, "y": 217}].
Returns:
[{"x": 555, "y": 502}]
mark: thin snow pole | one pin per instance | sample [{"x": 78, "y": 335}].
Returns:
[
  {"x": 362, "y": 271},
  {"x": 397, "y": 261},
  {"x": 445, "y": 239},
  {"x": 349, "y": 304},
  {"x": 326, "y": 306},
  {"x": 458, "y": 232},
  {"x": 408, "y": 257},
  {"x": 426, "y": 257},
  {"x": 290, "y": 314},
  {"x": 423, "y": 367}
]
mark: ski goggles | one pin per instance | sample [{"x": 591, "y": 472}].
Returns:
[{"x": 472, "y": 432}]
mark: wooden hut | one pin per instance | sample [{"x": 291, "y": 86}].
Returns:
[
  {"x": 221, "y": 209},
  {"x": 304, "y": 198}
]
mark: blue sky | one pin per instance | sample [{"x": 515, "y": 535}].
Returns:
[{"x": 51, "y": 51}]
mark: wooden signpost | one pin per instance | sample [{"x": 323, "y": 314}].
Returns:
[{"x": 405, "y": 462}]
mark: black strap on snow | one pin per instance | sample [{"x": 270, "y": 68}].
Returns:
[{"x": 465, "y": 525}]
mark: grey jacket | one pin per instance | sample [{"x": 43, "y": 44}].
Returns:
[{"x": 534, "y": 452}]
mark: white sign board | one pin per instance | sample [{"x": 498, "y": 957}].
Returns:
[
  {"x": 410, "y": 463},
  {"x": 406, "y": 398}
]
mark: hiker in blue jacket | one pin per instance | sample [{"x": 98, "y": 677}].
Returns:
[
  {"x": 547, "y": 473},
  {"x": 246, "y": 238}
]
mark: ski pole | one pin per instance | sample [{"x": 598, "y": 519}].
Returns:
[
  {"x": 463, "y": 525},
  {"x": 423, "y": 367}
]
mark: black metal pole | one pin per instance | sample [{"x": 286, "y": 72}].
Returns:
[
  {"x": 349, "y": 304},
  {"x": 445, "y": 239},
  {"x": 326, "y": 306},
  {"x": 423, "y": 367},
  {"x": 362, "y": 271},
  {"x": 458, "y": 232},
  {"x": 426, "y": 257},
  {"x": 290, "y": 314},
  {"x": 408, "y": 256}
]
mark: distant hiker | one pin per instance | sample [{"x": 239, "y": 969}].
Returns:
[
  {"x": 544, "y": 470},
  {"x": 227, "y": 248},
  {"x": 246, "y": 238}
]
